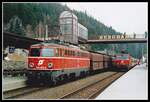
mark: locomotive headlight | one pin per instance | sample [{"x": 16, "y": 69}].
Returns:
[
  {"x": 122, "y": 62},
  {"x": 50, "y": 65},
  {"x": 31, "y": 65}
]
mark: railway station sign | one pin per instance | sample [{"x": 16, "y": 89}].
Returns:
[
  {"x": 11, "y": 49},
  {"x": 114, "y": 37}
]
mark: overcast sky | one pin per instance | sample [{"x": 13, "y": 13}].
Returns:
[{"x": 123, "y": 17}]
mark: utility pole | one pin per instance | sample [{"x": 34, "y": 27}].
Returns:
[{"x": 46, "y": 37}]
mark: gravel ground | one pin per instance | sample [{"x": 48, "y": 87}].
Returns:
[
  {"x": 97, "y": 87},
  {"x": 59, "y": 91}
]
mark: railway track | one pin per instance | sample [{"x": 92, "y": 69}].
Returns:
[
  {"x": 21, "y": 91},
  {"x": 64, "y": 90},
  {"x": 92, "y": 90},
  {"x": 14, "y": 72}
]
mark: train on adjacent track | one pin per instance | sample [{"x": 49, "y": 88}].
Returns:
[
  {"x": 49, "y": 62},
  {"x": 123, "y": 61}
]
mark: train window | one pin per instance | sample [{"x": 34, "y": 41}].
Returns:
[
  {"x": 68, "y": 52},
  {"x": 65, "y": 52},
  {"x": 122, "y": 57},
  {"x": 81, "y": 54},
  {"x": 35, "y": 52},
  {"x": 56, "y": 52},
  {"x": 84, "y": 54},
  {"x": 60, "y": 52},
  {"x": 78, "y": 54},
  {"x": 47, "y": 52},
  {"x": 73, "y": 53}
]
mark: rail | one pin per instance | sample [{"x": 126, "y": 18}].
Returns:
[
  {"x": 21, "y": 91},
  {"x": 88, "y": 95}
]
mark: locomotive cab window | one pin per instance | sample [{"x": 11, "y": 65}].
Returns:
[
  {"x": 47, "y": 52},
  {"x": 35, "y": 52},
  {"x": 122, "y": 57}
]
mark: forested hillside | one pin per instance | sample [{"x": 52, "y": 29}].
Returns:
[{"x": 28, "y": 19}]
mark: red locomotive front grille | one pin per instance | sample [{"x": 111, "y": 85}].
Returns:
[
  {"x": 121, "y": 62},
  {"x": 58, "y": 63},
  {"x": 38, "y": 63}
]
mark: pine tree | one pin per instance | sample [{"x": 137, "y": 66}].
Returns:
[{"x": 15, "y": 26}]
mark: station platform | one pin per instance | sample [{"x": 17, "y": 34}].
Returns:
[
  {"x": 13, "y": 83},
  {"x": 133, "y": 85}
]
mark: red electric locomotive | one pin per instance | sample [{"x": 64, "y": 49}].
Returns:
[
  {"x": 122, "y": 61},
  {"x": 54, "y": 62}
]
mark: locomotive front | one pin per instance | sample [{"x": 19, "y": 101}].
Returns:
[
  {"x": 39, "y": 58},
  {"x": 122, "y": 61},
  {"x": 40, "y": 63}
]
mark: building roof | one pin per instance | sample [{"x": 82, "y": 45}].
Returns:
[{"x": 66, "y": 14}]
